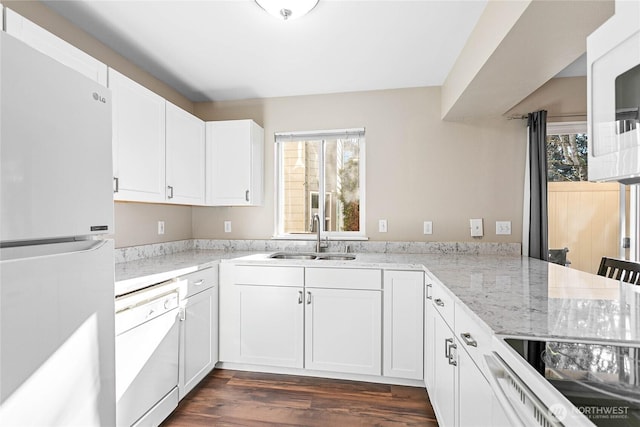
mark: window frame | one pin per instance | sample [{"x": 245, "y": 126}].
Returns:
[{"x": 321, "y": 136}]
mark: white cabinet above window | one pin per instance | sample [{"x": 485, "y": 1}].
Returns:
[
  {"x": 235, "y": 163},
  {"x": 58, "y": 49}
]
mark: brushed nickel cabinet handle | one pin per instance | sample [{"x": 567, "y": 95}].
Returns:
[
  {"x": 170, "y": 191},
  {"x": 452, "y": 360},
  {"x": 308, "y": 297},
  {"x": 300, "y": 297},
  {"x": 116, "y": 184},
  {"x": 429, "y": 286},
  {"x": 246, "y": 195}
]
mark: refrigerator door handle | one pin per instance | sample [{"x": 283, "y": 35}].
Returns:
[{"x": 17, "y": 253}]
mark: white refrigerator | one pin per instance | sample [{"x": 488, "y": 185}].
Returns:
[{"x": 56, "y": 264}]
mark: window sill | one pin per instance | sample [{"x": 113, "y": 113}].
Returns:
[{"x": 313, "y": 237}]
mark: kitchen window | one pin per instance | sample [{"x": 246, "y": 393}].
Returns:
[{"x": 320, "y": 173}]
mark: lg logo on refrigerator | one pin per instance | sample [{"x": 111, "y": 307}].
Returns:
[{"x": 97, "y": 97}]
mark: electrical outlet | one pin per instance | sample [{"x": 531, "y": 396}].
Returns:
[
  {"x": 476, "y": 227},
  {"x": 382, "y": 226},
  {"x": 503, "y": 227},
  {"x": 427, "y": 227},
  {"x": 160, "y": 227},
  {"x": 227, "y": 226}
]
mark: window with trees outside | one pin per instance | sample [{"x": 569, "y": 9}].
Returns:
[
  {"x": 320, "y": 173},
  {"x": 567, "y": 152}
]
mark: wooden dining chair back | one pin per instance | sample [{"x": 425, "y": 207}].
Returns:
[{"x": 627, "y": 271}]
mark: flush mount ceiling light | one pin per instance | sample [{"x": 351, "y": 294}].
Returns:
[{"x": 287, "y": 9}]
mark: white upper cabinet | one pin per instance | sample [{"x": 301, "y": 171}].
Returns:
[
  {"x": 138, "y": 141},
  {"x": 53, "y": 46},
  {"x": 235, "y": 163},
  {"x": 185, "y": 165},
  {"x": 613, "y": 96}
]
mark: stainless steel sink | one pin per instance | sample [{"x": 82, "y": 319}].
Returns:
[
  {"x": 336, "y": 257},
  {"x": 313, "y": 256},
  {"x": 292, "y": 255}
]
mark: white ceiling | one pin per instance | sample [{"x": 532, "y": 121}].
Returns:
[{"x": 231, "y": 49}]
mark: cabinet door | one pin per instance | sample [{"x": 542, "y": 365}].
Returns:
[
  {"x": 138, "y": 141},
  {"x": 234, "y": 163},
  {"x": 198, "y": 341},
  {"x": 58, "y": 49},
  {"x": 343, "y": 331},
  {"x": 261, "y": 325},
  {"x": 403, "y": 324},
  {"x": 185, "y": 157},
  {"x": 474, "y": 393},
  {"x": 443, "y": 390},
  {"x": 429, "y": 336}
]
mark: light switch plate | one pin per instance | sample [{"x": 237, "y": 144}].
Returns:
[
  {"x": 227, "y": 226},
  {"x": 382, "y": 226},
  {"x": 503, "y": 227},
  {"x": 476, "y": 227},
  {"x": 427, "y": 227}
]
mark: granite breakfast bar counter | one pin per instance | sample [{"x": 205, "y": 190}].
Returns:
[{"x": 513, "y": 295}]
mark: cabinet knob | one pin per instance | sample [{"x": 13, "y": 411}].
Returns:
[{"x": 439, "y": 302}]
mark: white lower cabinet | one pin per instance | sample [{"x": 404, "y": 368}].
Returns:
[
  {"x": 443, "y": 389},
  {"x": 455, "y": 344},
  {"x": 474, "y": 393},
  {"x": 198, "y": 329},
  {"x": 262, "y": 315},
  {"x": 343, "y": 330},
  {"x": 403, "y": 346},
  {"x": 314, "y": 318}
]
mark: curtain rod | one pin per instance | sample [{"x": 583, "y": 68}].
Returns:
[{"x": 550, "y": 117}]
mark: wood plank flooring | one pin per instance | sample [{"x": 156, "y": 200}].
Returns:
[{"x": 235, "y": 398}]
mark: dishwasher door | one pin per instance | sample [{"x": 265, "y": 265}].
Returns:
[{"x": 147, "y": 340}]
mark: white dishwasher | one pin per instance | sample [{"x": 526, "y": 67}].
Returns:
[{"x": 147, "y": 351}]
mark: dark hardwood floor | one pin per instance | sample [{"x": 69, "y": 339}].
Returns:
[{"x": 235, "y": 398}]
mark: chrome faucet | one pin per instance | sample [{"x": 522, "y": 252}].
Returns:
[{"x": 316, "y": 220}]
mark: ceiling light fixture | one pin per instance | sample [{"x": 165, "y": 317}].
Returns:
[{"x": 287, "y": 9}]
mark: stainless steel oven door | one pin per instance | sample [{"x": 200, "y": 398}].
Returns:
[{"x": 147, "y": 346}]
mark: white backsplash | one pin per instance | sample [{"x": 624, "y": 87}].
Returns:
[{"x": 471, "y": 248}]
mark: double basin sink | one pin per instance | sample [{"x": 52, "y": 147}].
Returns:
[{"x": 313, "y": 256}]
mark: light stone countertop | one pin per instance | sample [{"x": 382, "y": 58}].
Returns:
[{"x": 513, "y": 295}]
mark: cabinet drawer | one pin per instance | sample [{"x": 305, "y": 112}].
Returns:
[
  {"x": 441, "y": 298},
  {"x": 267, "y": 275},
  {"x": 200, "y": 280},
  {"x": 343, "y": 278},
  {"x": 473, "y": 335}
]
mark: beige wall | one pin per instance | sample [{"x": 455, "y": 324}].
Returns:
[
  {"x": 418, "y": 167},
  {"x": 137, "y": 223}
]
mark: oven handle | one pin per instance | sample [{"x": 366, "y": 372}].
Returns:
[{"x": 500, "y": 375}]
